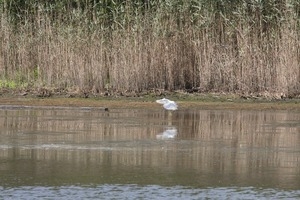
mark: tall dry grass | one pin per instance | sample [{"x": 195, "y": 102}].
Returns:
[{"x": 221, "y": 46}]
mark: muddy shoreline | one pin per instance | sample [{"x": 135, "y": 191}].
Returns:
[{"x": 185, "y": 101}]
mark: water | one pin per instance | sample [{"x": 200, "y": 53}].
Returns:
[{"x": 74, "y": 153}]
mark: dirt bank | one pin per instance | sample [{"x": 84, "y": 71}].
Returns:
[{"x": 185, "y": 101}]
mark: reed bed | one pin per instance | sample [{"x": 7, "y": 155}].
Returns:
[{"x": 99, "y": 47}]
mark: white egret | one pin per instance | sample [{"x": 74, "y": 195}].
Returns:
[{"x": 167, "y": 104}]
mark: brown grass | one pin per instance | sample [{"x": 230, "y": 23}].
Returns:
[{"x": 236, "y": 52}]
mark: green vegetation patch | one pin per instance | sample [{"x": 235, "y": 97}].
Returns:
[{"x": 11, "y": 84}]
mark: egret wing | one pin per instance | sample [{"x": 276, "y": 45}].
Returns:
[{"x": 171, "y": 105}]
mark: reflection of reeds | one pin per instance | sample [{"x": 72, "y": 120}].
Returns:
[
  {"x": 248, "y": 139},
  {"x": 245, "y": 46}
]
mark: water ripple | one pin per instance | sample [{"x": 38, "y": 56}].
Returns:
[{"x": 132, "y": 191}]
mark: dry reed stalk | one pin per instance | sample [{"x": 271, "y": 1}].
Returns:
[{"x": 232, "y": 53}]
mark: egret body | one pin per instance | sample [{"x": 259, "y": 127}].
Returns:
[{"x": 167, "y": 104}]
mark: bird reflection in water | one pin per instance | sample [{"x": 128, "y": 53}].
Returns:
[{"x": 170, "y": 133}]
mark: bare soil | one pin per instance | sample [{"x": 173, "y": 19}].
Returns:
[{"x": 185, "y": 101}]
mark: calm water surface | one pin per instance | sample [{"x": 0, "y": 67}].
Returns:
[{"x": 75, "y": 153}]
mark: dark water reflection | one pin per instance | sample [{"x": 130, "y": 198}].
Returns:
[{"x": 134, "y": 147}]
